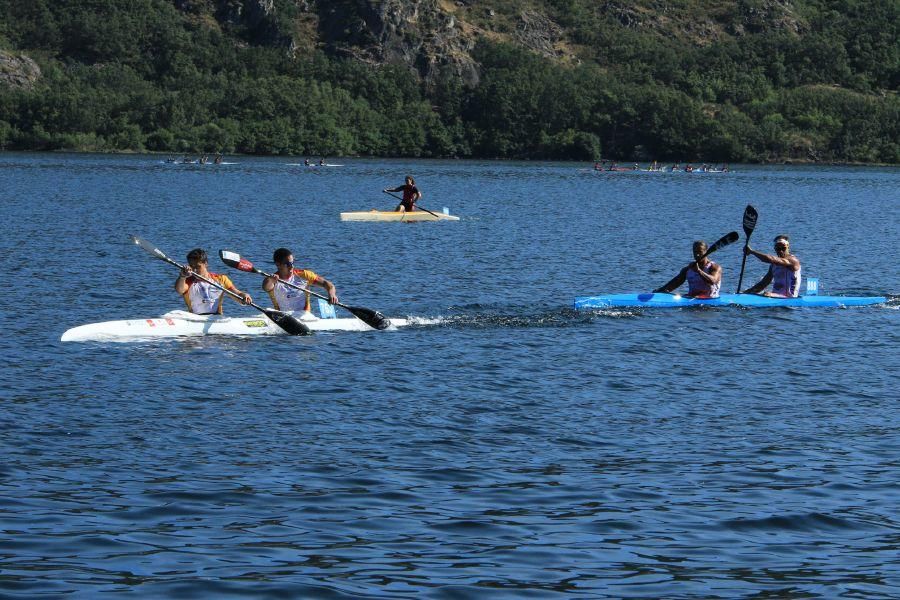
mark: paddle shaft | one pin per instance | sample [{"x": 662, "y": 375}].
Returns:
[
  {"x": 401, "y": 200},
  {"x": 743, "y": 264},
  {"x": 750, "y": 216}
]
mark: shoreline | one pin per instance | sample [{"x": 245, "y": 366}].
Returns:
[{"x": 777, "y": 162}]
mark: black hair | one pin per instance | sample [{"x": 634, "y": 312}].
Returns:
[
  {"x": 197, "y": 255},
  {"x": 280, "y": 255}
]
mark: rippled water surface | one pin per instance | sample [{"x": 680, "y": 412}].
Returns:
[{"x": 514, "y": 449}]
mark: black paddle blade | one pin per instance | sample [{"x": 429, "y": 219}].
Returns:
[
  {"x": 750, "y": 216},
  {"x": 372, "y": 318},
  {"x": 725, "y": 240},
  {"x": 290, "y": 324}
]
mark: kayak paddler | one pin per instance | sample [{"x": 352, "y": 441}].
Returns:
[
  {"x": 704, "y": 277},
  {"x": 202, "y": 298},
  {"x": 784, "y": 270},
  {"x": 411, "y": 195},
  {"x": 285, "y": 297}
]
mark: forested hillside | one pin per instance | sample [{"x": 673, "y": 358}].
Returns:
[{"x": 724, "y": 81}]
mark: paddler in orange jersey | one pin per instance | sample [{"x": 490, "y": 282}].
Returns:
[
  {"x": 289, "y": 298},
  {"x": 200, "y": 297},
  {"x": 411, "y": 195},
  {"x": 704, "y": 277},
  {"x": 783, "y": 274}
]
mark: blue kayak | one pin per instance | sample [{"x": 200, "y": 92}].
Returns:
[{"x": 751, "y": 300}]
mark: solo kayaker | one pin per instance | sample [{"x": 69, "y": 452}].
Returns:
[
  {"x": 784, "y": 271},
  {"x": 285, "y": 297},
  {"x": 411, "y": 195},
  {"x": 202, "y": 298},
  {"x": 704, "y": 277}
]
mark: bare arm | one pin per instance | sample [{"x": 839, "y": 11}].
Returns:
[
  {"x": 181, "y": 285},
  {"x": 714, "y": 277},
  {"x": 245, "y": 297},
  {"x": 761, "y": 284},
  {"x": 673, "y": 284},
  {"x": 788, "y": 261},
  {"x": 329, "y": 287}
]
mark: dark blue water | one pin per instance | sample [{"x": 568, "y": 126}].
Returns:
[{"x": 515, "y": 449}]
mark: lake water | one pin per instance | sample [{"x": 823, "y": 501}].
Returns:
[{"x": 515, "y": 448}]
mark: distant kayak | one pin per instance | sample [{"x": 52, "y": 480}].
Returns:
[
  {"x": 651, "y": 300},
  {"x": 316, "y": 165},
  {"x": 397, "y": 217},
  {"x": 197, "y": 162},
  {"x": 643, "y": 171}
]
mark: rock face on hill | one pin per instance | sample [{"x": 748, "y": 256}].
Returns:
[
  {"x": 418, "y": 33},
  {"x": 421, "y": 34},
  {"x": 18, "y": 71},
  {"x": 437, "y": 37}
]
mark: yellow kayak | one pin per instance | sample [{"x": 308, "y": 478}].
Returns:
[{"x": 399, "y": 217}]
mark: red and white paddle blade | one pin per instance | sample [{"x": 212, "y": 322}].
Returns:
[{"x": 233, "y": 259}]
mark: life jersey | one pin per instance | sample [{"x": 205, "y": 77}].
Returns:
[
  {"x": 697, "y": 286},
  {"x": 285, "y": 297},
  {"x": 204, "y": 299},
  {"x": 785, "y": 281},
  {"x": 409, "y": 191}
]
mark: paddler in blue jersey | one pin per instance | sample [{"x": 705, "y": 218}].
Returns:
[
  {"x": 411, "y": 195},
  {"x": 783, "y": 274},
  {"x": 289, "y": 298},
  {"x": 704, "y": 277},
  {"x": 202, "y": 298}
]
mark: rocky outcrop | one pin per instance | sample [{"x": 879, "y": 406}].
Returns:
[
  {"x": 436, "y": 37},
  {"x": 411, "y": 32},
  {"x": 767, "y": 15},
  {"x": 258, "y": 21},
  {"x": 18, "y": 71},
  {"x": 538, "y": 33}
]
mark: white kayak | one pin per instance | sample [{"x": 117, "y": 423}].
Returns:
[
  {"x": 183, "y": 323},
  {"x": 398, "y": 217}
]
